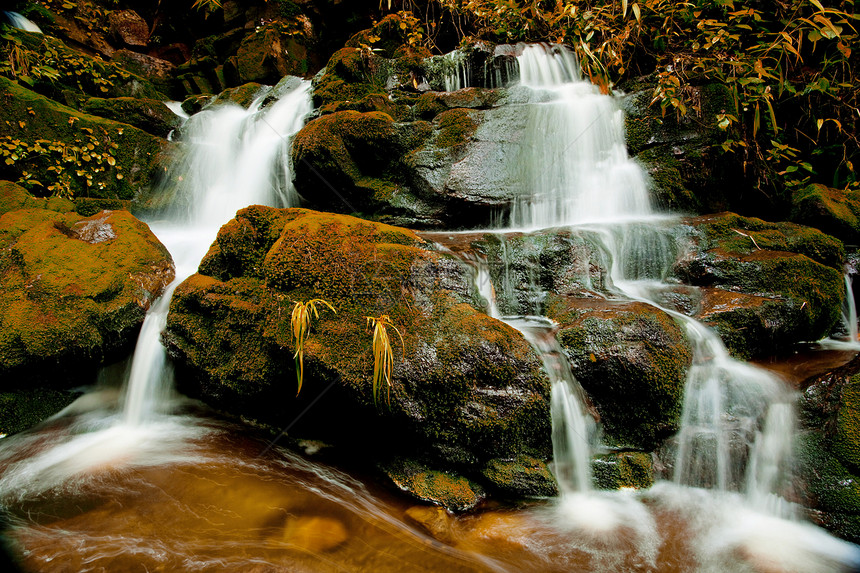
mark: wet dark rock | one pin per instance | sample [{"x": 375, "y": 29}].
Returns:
[
  {"x": 683, "y": 156},
  {"x": 158, "y": 71},
  {"x": 632, "y": 360},
  {"x": 128, "y": 28}
]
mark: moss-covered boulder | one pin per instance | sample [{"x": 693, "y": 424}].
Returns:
[
  {"x": 352, "y": 75},
  {"x": 632, "y": 360},
  {"x": 23, "y": 408},
  {"x": 466, "y": 388},
  {"x": 520, "y": 477},
  {"x": 827, "y": 452},
  {"x": 784, "y": 281},
  {"x": 272, "y": 52},
  {"x": 689, "y": 170},
  {"x": 74, "y": 289},
  {"x": 834, "y": 211},
  {"x": 350, "y": 162},
  {"x": 54, "y": 150},
  {"x": 623, "y": 470}
]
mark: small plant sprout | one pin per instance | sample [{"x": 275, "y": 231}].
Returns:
[
  {"x": 300, "y": 321},
  {"x": 383, "y": 356}
]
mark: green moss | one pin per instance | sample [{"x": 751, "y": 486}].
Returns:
[
  {"x": 830, "y": 488},
  {"x": 429, "y": 105},
  {"x": 523, "y": 476},
  {"x": 623, "y": 470},
  {"x": 61, "y": 68},
  {"x": 846, "y": 441},
  {"x": 74, "y": 289},
  {"x": 152, "y": 116},
  {"x": 632, "y": 361},
  {"x": 455, "y": 127},
  {"x": 64, "y": 152},
  {"x": 451, "y": 491},
  {"x": 454, "y": 371},
  {"x": 271, "y": 52},
  {"x": 722, "y": 231},
  {"x": 834, "y": 211},
  {"x": 670, "y": 190},
  {"x": 350, "y": 75}
]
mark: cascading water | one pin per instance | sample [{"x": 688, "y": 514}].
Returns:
[
  {"x": 738, "y": 421},
  {"x": 573, "y": 427},
  {"x": 234, "y": 157},
  {"x": 16, "y": 20}
]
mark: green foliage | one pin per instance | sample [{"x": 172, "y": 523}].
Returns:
[
  {"x": 383, "y": 356},
  {"x": 88, "y": 161},
  {"x": 32, "y": 59},
  {"x": 207, "y": 5},
  {"x": 300, "y": 323}
]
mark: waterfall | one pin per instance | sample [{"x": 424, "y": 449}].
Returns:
[
  {"x": 573, "y": 161},
  {"x": 578, "y": 174},
  {"x": 737, "y": 424},
  {"x": 850, "y": 312},
  {"x": 573, "y": 427},
  {"x": 231, "y": 157},
  {"x": 16, "y": 20}
]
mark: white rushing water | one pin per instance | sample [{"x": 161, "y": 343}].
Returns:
[
  {"x": 21, "y": 22},
  {"x": 738, "y": 421},
  {"x": 232, "y": 157}
]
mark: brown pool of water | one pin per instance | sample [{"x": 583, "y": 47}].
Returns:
[{"x": 230, "y": 510}]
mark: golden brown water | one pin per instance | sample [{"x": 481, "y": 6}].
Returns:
[
  {"x": 218, "y": 505},
  {"x": 231, "y": 511}
]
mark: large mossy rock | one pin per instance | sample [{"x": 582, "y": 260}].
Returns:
[
  {"x": 74, "y": 289},
  {"x": 632, "y": 360},
  {"x": 768, "y": 285},
  {"x": 349, "y": 162},
  {"x": 272, "y": 52},
  {"x": 834, "y": 211},
  {"x": 54, "y": 150},
  {"x": 466, "y": 388}
]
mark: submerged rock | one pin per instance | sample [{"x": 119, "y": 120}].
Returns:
[
  {"x": 451, "y": 491},
  {"x": 74, "y": 289},
  {"x": 466, "y": 388}
]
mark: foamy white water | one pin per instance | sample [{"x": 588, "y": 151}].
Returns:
[
  {"x": 22, "y": 22},
  {"x": 233, "y": 157}
]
